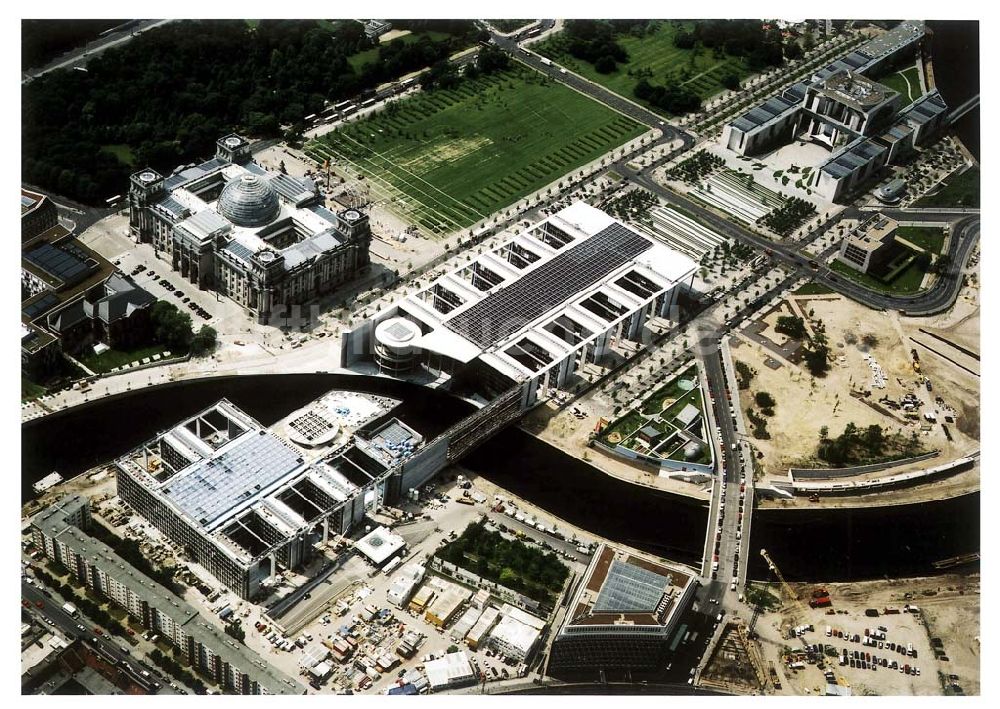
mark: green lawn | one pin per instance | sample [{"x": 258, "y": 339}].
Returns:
[
  {"x": 30, "y": 390},
  {"x": 447, "y": 159},
  {"x": 122, "y": 152},
  {"x": 114, "y": 358},
  {"x": 959, "y": 191},
  {"x": 906, "y": 82},
  {"x": 655, "y": 56},
  {"x": 670, "y": 390},
  {"x": 903, "y": 281},
  {"x": 930, "y": 239},
  {"x": 357, "y": 61}
]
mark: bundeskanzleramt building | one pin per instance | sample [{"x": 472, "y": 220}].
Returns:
[
  {"x": 262, "y": 238},
  {"x": 59, "y": 531},
  {"x": 623, "y": 614},
  {"x": 862, "y": 122}
]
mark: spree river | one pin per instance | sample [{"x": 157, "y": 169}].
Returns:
[{"x": 807, "y": 544}]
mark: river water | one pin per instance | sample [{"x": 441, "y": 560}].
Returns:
[
  {"x": 806, "y": 544},
  {"x": 955, "y": 55}
]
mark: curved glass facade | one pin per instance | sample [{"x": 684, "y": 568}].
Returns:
[{"x": 249, "y": 201}]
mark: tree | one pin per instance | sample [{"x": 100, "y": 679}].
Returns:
[
  {"x": 792, "y": 326},
  {"x": 171, "y": 327},
  {"x": 605, "y": 65},
  {"x": 731, "y": 81},
  {"x": 824, "y": 431},
  {"x": 764, "y": 400},
  {"x": 204, "y": 341}
]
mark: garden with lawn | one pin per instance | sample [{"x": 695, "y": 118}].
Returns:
[
  {"x": 446, "y": 158},
  {"x": 901, "y": 274},
  {"x": 928, "y": 238},
  {"x": 906, "y": 82}
]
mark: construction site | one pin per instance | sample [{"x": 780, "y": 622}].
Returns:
[
  {"x": 911, "y": 637},
  {"x": 915, "y": 378}
]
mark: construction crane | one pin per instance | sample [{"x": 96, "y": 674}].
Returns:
[{"x": 797, "y": 609}]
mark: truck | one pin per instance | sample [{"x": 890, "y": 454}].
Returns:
[
  {"x": 71, "y": 609},
  {"x": 546, "y": 61}
]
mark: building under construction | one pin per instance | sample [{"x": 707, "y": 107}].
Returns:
[{"x": 246, "y": 502}]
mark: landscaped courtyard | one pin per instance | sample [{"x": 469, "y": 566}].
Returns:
[
  {"x": 667, "y": 425},
  {"x": 445, "y": 159}
]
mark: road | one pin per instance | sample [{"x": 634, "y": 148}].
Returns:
[
  {"x": 939, "y": 297},
  {"x": 81, "y": 55},
  {"x": 70, "y": 626}
]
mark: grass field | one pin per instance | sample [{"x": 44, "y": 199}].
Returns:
[
  {"x": 122, "y": 152},
  {"x": 107, "y": 361},
  {"x": 447, "y": 159},
  {"x": 698, "y": 68},
  {"x": 960, "y": 191},
  {"x": 906, "y": 82},
  {"x": 930, "y": 239},
  {"x": 905, "y": 281}
]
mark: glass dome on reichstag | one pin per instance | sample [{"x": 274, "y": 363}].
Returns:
[{"x": 249, "y": 201}]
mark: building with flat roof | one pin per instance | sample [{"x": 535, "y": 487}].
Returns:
[
  {"x": 513, "y": 638},
  {"x": 71, "y": 297},
  {"x": 865, "y": 244},
  {"x": 246, "y": 502},
  {"x": 533, "y": 311},
  {"x": 622, "y": 614},
  {"x": 262, "y": 238},
  {"x": 862, "y": 122},
  {"x": 451, "y": 670},
  {"x": 380, "y": 545},
  {"x": 59, "y": 531},
  {"x": 38, "y": 214}
]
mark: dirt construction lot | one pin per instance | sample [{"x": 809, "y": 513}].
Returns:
[
  {"x": 950, "y": 614},
  {"x": 805, "y": 403}
]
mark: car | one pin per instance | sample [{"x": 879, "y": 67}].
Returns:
[
  {"x": 150, "y": 272},
  {"x": 39, "y": 604},
  {"x": 81, "y": 628},
  {"x": 98, "y": 631}
]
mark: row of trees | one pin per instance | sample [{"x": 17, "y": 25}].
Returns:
[
  {"x": 177, "y": 671},
  {"x": 444, "y": 75},
  {"x": 130, "y": 551},
  {"x": 864, "y": 445},
  {"x": 169, "y": 93}
]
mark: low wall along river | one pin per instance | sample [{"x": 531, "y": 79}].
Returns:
[{"x": 831, "y": 545}]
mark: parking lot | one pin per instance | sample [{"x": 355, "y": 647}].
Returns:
[{"x": 880, "y": 642}]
